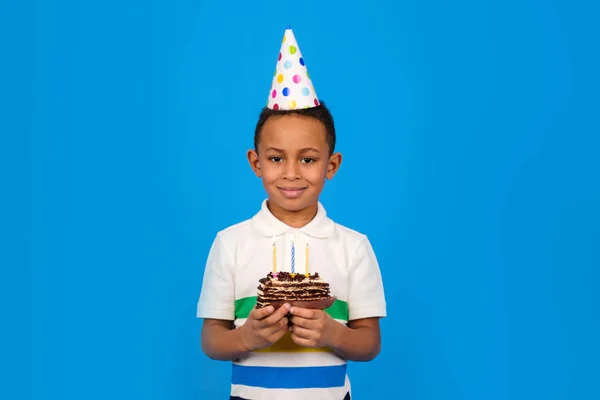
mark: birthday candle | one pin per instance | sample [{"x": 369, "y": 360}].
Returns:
[
  {"x": 306, "y": 259},
  {"x": 293, "y": 258},
  {"x": 274, "y": 256}
]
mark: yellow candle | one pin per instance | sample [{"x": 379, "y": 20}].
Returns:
[
  {"x": 274, "y": 256},
  {"x": 307, "y": 259}
]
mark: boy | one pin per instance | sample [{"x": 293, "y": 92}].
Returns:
[{"x": 291, "y": 353}]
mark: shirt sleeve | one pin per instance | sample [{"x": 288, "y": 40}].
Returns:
[
  {"x": 217, "y": 295},
  {"x": 366, "y": 296}
]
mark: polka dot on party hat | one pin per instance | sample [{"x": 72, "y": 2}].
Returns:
[{"x": 291, "y": 87}]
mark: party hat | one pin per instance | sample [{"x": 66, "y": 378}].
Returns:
[{"x": 291, "y": 87}]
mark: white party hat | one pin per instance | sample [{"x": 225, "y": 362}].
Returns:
[{"x": 291, "y": 88}]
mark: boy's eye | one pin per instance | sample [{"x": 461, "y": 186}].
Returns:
[
  {"x": 276, "y": 159},
  {"x": 308, "y": 160}
]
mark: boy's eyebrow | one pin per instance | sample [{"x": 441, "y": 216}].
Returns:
[
  {"x": 274, "y": 149},
  {"x": 304, "y": 150},
  {"x": 307, "y": 149}
]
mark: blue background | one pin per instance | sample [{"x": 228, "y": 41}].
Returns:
[{"x": 470, "y": 135}]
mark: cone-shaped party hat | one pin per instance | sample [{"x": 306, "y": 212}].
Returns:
[{"x": 291, "y": 88}]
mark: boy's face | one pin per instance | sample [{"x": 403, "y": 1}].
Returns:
[{"x": 293, "y": 161}]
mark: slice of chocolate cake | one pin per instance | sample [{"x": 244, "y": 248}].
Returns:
[{"x": 308, "y": 291}]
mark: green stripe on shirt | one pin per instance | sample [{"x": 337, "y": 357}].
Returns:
[{"x": 338, "y": 310}]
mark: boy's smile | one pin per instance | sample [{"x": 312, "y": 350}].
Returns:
[
  {"x": 292, "y": 192},
  {"x": 293, "y": 161}
]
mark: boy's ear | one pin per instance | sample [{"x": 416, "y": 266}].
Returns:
[
  {"x": 335, "y": 160},
  {"x": 254, "y": 162}
]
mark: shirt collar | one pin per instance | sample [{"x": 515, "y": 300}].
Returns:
[{"x": 320, "y": 226}]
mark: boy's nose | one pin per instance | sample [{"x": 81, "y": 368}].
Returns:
[{"x": 291, "y": 171}]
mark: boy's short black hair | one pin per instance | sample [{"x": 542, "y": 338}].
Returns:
[{"x": 320, "y": 113}]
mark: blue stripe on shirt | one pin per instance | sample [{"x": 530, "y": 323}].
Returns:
[{"x": 289, "y": 377}]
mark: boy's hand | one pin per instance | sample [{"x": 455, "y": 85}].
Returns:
[
  {"x": 312, "y": 328},
  {"x": 264, "y": 327}
]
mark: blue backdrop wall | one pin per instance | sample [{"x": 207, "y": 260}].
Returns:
[{"x": 470, "y": 135}]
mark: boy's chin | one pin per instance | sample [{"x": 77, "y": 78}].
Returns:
[{"x": 292, "y": 205}]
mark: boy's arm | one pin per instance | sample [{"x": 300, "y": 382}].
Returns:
[
  {"x": 359, "y": 341},
  {"x": 220, "y": 341},
  {"x": 216, "y": 306},
  {"x": 263, "y": 327}
]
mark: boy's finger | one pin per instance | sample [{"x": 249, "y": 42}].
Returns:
[
  {"x": 277, "y": 315},
  {"x": 260, "y": 313},
  {"x": 301, "y": 341},
  {"x": 303, "y": 322},
  {"x": 274, "y": 337},
  {"x": 281, "y": 325},
  {"x": 305, "y": 312},
  {"x": 303, "y": 333}
]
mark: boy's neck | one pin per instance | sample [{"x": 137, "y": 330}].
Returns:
[{"x": 295, "y": 219}]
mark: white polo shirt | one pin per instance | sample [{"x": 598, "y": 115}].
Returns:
[{"x": 243, "y": 253}]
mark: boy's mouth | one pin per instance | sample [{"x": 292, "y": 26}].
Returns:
[{"x": 291, "y": 192}]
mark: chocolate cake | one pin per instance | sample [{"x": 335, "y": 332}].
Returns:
[{"x": 300, "y": 290}]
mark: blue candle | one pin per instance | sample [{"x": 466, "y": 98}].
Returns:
[{"x": 293, "y": 258}]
